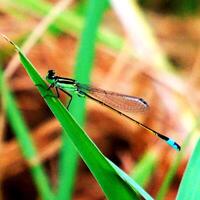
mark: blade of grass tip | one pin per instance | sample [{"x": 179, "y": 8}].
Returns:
[
  {"x": 175, "y": 164},
  {"x": 27, "y": 147},
  {"x": 114, "y": 185},
  {"x": 189, "y": 187},
  {"x": 37, "y": 33},
  {"x": 83, "y": 68},
  {"x": 143, "y": 170},
  {"x": 131, "y": 182}
]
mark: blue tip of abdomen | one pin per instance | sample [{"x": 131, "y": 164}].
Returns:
[{"x": 173, "y": 144}]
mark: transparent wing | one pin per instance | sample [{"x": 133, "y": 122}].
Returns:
[{"x": 116, "y": 100}]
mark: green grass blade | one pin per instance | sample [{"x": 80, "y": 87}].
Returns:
[
  {"x": 190, "y": 184},
  {"x": 83, "y": 68},
  {"x": 67, "y": 168},
  {"x": 142, "y": 172},
  {"x": 23, "y": 137},
  {"x": 115, "y": 185},
  {"x": 164, "y": 188},
  {"x": 175, "y": 164}
]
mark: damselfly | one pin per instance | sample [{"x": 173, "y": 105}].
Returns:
[{"x": 115, "y": 101}]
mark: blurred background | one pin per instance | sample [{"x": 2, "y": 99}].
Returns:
[{"x": 146, "y": 48}]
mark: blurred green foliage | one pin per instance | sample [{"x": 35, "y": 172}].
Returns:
[{"x": 178, "y": 7}]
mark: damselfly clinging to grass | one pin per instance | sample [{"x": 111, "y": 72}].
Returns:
[{"x": 112, "y": 100}]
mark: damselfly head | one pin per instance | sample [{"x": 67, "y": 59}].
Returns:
[
  {"x": 50, "y": 77},
  {"x": 51, "y": 74}
]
